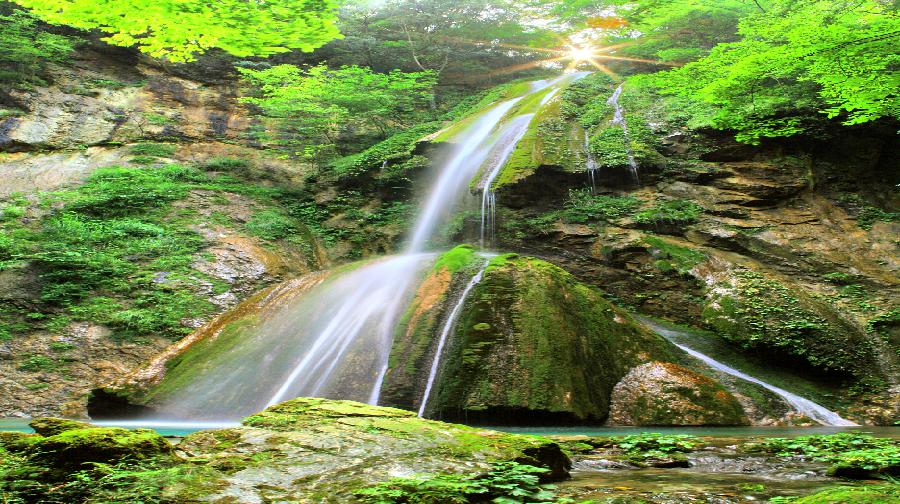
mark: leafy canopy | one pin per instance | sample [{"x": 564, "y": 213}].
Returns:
[
  {"x": 313, "y": 108},
  {"x": 795, "y": 61},
  {"x": 180, "y": 29},
  {"x": 25, "y": 49}
]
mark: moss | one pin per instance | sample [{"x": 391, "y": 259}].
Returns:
[
  {"x": 762, "y": 314},
  {"x": 72, "y": 448},
  {"x": 869, "y": 494},
  {"x": 664, "y": 215},
  {"x": 455, "y": 259},
  {"x": 538, "y": 327},
  {"x": 682, "y": 259},
  {"x": 53, "y": 426}
]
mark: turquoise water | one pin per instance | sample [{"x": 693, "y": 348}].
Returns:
[
  {"x": 180, "y": 429},
  {"x": 164, "y": 428}
]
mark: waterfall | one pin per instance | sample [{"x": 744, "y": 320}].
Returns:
[
  {"x": 507, "y": 139},
  {"x": 335, "y": 339},
  {"x": 619, "y": 119},
  {"x": 802, "y": 405},
  {"x": 445, "y": 332},
  {"x": 592, "y": 165}
]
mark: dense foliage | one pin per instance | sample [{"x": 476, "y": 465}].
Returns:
[
  {"x": 26, "y": 49},
  {"x": 316, "y": 107},
  {"x": 180, "y": 29}
]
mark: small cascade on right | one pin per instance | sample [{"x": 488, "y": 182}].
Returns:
[
  {"x": 800, "y": 404},
  {"x": 619, "y": 119},
  {"x": 445, "y": 332},
  {"x": 591, "y": 162}
]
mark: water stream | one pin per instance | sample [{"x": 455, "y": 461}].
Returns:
[
  {"x": 619, "y": 119},
  {"x": 802, "y": 405},
  {"x": 445, "y": 332}
]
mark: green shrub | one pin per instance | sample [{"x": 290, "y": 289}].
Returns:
[
  {"x": 37, "y": 363},
  {"x": 582, "y": 206},
  {"x": 26, "y": 48},
  {"x": 271, "y": 225},
  {"x": 506, "y": 482},
  {"x": 652, "y": 442},
  {"x": 678, "y": 212},
  {"x": 157, "y": 120},
  {"x": 396, "y": 147},
  {"x": 850, "y": 454},
  {"x": 226, "y": 164},
  {"x": 153, "y": 149}
]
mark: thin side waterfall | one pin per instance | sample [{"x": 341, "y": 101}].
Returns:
[
  {"x": 619, "y": 119},
  {"x": 507, "y": 139},
  {"x": 445, "y": 332},
  {"x": 334, "y": 340},
  {"x": 591, "y": 163},
  {"x": 800, "y": 404}
]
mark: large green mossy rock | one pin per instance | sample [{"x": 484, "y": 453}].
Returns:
[
  {"x": 869, "y": 494},
  {"x": 318, "y": 450},
  {"x": 533, "y": 344}
]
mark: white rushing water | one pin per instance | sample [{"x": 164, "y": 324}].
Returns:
[
  {"x": 591, "y": 163},
  {"x": 449, "y": 324},
  {"x": 800, "y": 404},
  {"x": 619, "y": 119},
  {"x": 334, "y": 340},
  {"x": 507, "y": 139}
]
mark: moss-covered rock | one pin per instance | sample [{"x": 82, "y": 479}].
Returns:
[
  {"x": 662, "y": 393},
  {"x": 317, "y": 450},
  {"x": 765, "y": 313},
  {"x": 869, "y": 494},
  {"x": 72, "y": 448},
  {"x": 54, "y": 426},
  {"x": 533, "y": 344}
]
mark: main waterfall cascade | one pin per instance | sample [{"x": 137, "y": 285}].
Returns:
[{"x": 334, "y": 340}]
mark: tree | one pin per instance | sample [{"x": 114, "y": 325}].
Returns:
[
  {"x": 25, "y": 49},
  {"x": 314, "y": 108},
  {"x": 180, "y": 29},
  {"x": 798, "y": 59},
  {"x": 460, "y": 40}
]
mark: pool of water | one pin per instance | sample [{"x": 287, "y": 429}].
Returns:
[
  {"x": 163, "y": 427},
  {"x": 173, "y": 428}
]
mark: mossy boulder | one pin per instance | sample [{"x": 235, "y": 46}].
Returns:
[
  {"x": 53, "y": 426},
  {"x": 663, "y": 393},
  {"x": 534, "y": 345},
  {"x": 318, "y": 450},
  {"x": 72, "y": 448}
]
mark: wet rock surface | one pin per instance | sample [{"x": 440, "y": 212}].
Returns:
[{"x": 662, "y": 393}]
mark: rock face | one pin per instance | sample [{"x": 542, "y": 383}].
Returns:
[
  {"x": 534, "y": 345},
  {"x": 663, "y": 393}
]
